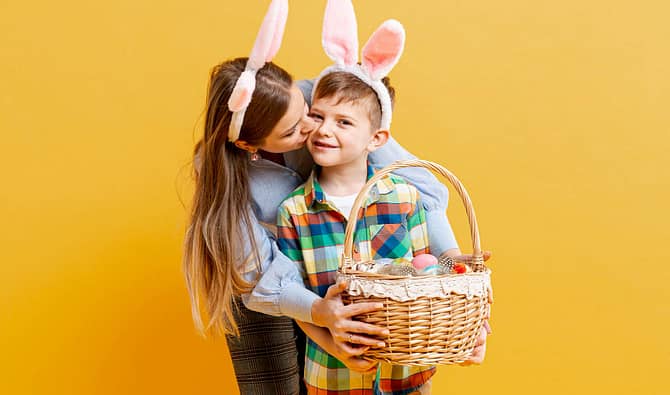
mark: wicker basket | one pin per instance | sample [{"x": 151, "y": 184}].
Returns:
[{"x": 431, "y": 319}]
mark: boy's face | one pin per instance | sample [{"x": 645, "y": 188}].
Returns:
[{"x": 343, "y": 132}]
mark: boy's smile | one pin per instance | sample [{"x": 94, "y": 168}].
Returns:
[{"x": 323, "y": 145}]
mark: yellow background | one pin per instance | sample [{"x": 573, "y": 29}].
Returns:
[{"x": 553, "y": 113}]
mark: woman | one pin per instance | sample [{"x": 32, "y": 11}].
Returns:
[{"x": 245, "y": 165}]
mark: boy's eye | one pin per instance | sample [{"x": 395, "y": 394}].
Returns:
[
  {"x": 345, "y": 122},
  {"x": 315, "y": 117}
]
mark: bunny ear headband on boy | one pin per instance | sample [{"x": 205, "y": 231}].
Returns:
[
  {"x": 380, "y": 53},
  {"x": 265, "y": 48}
]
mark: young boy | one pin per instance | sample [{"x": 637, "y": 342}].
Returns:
[{"x": 312, "y": 220}]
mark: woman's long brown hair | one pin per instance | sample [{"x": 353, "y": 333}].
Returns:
[{"x": 219, "y": 238}]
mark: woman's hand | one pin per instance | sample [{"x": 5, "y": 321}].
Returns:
[
  {"x": 456, "y": 255},
  {"x": 331, "y": 313}
]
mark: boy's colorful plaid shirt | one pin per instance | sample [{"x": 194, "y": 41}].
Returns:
[{"x": 310, "y": 230}]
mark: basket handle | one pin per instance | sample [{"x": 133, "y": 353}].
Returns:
[{"x": 353, "y": 216}]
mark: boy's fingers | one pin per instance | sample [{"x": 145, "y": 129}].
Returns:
[
  {"x": 478, "y": 354},
  {"x": 481, "y": 339},
  {"x": 487, "y": 326},
  {"x": 362, "y": 365},
  {"x": 352, "y": 351}
]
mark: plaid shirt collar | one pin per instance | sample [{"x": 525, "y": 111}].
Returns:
[{"x": 314, "y": 194}]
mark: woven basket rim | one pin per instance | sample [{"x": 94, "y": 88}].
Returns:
[
  {"x": 377, "y": 276},
  {"x": 347, "y": 259}
]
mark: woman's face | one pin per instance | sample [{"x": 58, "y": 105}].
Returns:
[{"x": 292, "y": 130}]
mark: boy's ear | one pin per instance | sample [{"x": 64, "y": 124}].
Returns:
[{"x": 378, "y": 139}]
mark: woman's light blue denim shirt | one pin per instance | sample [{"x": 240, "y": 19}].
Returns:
[{"x": 280, "y": 289}]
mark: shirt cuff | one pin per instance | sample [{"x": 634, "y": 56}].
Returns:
[{"x": 296, "y": 302}]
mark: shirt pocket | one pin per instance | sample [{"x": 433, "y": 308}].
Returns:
[{"x": 390, "y": 241}]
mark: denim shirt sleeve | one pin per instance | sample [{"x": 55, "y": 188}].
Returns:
[
  {"x": 434, "y": 195},
  {"x": 306, "y": 87},
  {"x": 280, "y": 289}
]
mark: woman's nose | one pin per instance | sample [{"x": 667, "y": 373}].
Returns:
[{"x": 307, "y": 125}]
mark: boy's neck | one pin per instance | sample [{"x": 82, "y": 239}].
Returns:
[{"x": 344, "y": 180}]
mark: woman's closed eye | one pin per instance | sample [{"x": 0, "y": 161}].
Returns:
[{"x": 290, "y": 132}]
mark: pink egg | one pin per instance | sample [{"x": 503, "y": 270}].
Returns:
[{"x": 423, "y": 260}]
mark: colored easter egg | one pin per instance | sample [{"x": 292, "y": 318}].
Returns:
[
  {"x": 423, "y": 260},
  {"x": 432, "y": 270},
  {"x": 460, "y": 268}
]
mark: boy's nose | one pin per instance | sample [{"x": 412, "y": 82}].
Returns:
[{"x": 324, "y": 131}]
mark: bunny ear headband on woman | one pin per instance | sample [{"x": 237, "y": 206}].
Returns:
[
  {"x": 380, "y": 53},
  {"x": 265, "y": 48}
]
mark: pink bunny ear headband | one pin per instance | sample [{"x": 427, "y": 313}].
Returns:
[
  {"x": 265, "y": 48},
  {"x": 380, "y": 53}
]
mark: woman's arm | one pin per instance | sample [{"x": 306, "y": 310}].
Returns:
[{"x": 279, "y": 289}]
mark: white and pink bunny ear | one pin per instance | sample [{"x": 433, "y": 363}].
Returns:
[
  {"x": 269, "y": 35},
  {"x": 383, "y": 49},
  {"x": 340, "y": 32},
  {"x": 380, "y": 53},
  {"x": 265, "y": 48},
  {"x": 244, "y": 88}
]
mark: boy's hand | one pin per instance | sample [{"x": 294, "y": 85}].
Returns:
[
  {"x": 350, "y": 356},
  {"x": 331, "y": 313},
  {"x": 478, "y": 354},
  {"x": 360, "y": 365}
]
